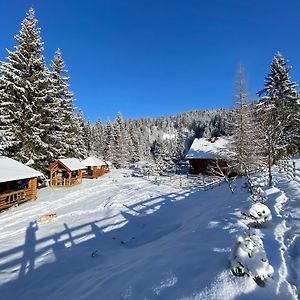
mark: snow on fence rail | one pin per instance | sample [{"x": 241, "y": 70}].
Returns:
[
  {"x": 182, "y": 181},
  {"x": 291, "y": 169}
]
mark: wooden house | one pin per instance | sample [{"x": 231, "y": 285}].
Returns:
[
  {"x": 95, "y": 167},
  {"x": 204, "y": 153},
  {"x": 66, "y": 172},
  {"x": 18, "y": 183}
]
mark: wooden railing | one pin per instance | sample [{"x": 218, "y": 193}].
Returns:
[
  {"x": 65, "y": 182},
  {"x": 290, "y": 168},
  {"x": 8, "y": 199}
]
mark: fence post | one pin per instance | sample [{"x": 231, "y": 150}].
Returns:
[{"x": 294, "y": 169}]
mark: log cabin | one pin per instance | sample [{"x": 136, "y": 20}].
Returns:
[
  {"x": 66, "y": 172},
  {"x": 18, "y": 183},
  {"x": 205, "y": 153},
  {"x": 95, "y": 167}
]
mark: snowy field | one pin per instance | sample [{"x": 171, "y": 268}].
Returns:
[{"x": 121, "y": 237}]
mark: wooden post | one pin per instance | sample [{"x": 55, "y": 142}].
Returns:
[
  {"x": 294, "y": 169},
  {"x": 32, "y": 185},
  {"x": 70, "y": 178},
  {"x": 51, "y": 177}
]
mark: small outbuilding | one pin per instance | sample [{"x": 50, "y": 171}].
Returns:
[
  {"x": 66, "y": 172},
  {"x": 18, "y": 183},
  {"x": 95, "y": 167},
  {"x": 205, "y": 153}
]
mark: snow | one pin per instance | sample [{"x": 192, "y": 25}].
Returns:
[
  {"x": 11, "y": 169},
  {"x": 258, "y": 213},
  {"x": 205, "y": 149},
  {"x": 122, "y": 237},
  {"x": 72, "y": 164},
  {"x": 93, "y": 162},
  {"x": 249, "y": 257},
  {"x": 168, "y": 136},
  {"x": 108, "y": 163}
]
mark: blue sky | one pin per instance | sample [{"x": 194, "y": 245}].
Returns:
[{"x": 149, "y": 58}]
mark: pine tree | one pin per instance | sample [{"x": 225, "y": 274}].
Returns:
[
  {"x": 278, "y": 111},
  {"x": 26, "y": 88}
]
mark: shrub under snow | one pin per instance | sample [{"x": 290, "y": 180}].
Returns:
[
  {"x": 259, "y": 195},
  {"x": 248, "y": 257},
  {"x": 257, "y": 214}
]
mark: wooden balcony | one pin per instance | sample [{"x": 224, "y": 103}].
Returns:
[{"x": 10, "y": 198}]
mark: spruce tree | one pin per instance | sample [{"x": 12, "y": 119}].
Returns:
[
  {"x": 7, "y": 136},
  {"x": 108, "y": 142},
  {"x": 98, "y": 139},
  {"x": 278, "y": 111},
  {"x": 26, "y": 88},
  {"x": 66, "y": 126},
  {"x": 120, "y": 143}
]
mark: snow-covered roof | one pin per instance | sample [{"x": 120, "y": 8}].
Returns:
[
  {"x": 72, "y": 164},
  {"x": 11, "y": 170},
  {"x": 93, "y": 161},
  {"x": 207, "y": 148}
]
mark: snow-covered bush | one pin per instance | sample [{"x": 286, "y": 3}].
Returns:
[
  {"x": 257, "y": 214},
  {"x": 248, "y": 257},
  {"x": 259, "y": 195}
]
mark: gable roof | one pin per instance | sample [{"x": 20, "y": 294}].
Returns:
[
  {"x": 11, "y": 170},
  {"x": 72, "y": 164},
  {"x": 207, "y": 148},
  {"x": 93, "y": 161}
]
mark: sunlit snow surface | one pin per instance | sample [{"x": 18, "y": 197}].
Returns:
[{"x": 122, "y": 237}]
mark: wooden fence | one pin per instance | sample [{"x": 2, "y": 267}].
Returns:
[
  {"x": 184, "y": 181},
  {"x": 291, "y": 169}
]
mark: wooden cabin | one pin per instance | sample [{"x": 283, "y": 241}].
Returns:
[
  {"x": 205, "y": 153},
  {"x": 95, "y": 167},
  {"x": 18, "y": 183},
  {"x": 66, "y": 172}
]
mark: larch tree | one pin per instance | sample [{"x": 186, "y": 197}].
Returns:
[
  {"x": 278, "y": 111},
  {"x": 245, "y": 140}
]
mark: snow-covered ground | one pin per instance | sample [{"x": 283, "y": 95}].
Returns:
[{"x": 122, "y": 237}]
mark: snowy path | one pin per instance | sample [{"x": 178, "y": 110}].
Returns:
[
  {"x": 288, "y": 234},
  {"x": 120, "y": 237}
]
